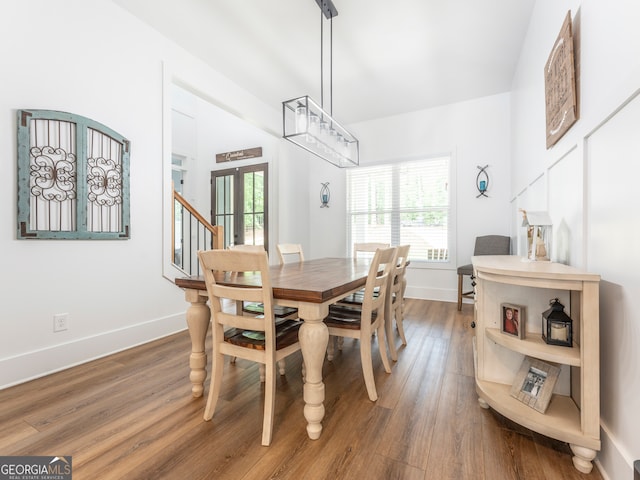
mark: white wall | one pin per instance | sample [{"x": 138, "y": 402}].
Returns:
[
  {"x": 294, "y": 197},
  {"x": 475, "y": 133},
  {"x": 587, "y": 183},
  {"x": 327, "y": 228},
  {"x": 102, "y": 63}
]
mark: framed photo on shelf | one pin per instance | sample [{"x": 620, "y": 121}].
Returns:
[
  {"x": 534, "y": 383},
  {"x": 513, "y": 320}
]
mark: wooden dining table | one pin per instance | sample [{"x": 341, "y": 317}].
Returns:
[{"x": 310, "y": 286}]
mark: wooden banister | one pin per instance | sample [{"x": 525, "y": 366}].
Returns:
[{"x": 194, "y": 229}]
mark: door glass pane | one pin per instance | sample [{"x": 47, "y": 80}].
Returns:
[
  {"x": 253, "y": 208},
  {"x": 248, "y": 192},
  {"x": 258, "y": 230},
  {"x": 224, "y": 207},
  {"x": 253, "y": 229},
  {"x": 259, "y": 192}
]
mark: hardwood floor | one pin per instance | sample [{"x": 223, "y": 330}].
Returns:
[{"x": 131, "y": 416}]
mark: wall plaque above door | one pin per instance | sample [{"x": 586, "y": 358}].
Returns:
[{"x": 239, "y": 155}]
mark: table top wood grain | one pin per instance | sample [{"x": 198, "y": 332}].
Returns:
[{"x": 314, "y": 281}]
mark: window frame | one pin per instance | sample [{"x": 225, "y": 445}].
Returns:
[
  {"x": 419, "y": 263},
  {"x": 79, "y": 215}
]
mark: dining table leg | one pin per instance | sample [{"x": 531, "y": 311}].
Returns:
[
  {"x": 314, "y": 337},
  {"x": 198, "y": 319}
]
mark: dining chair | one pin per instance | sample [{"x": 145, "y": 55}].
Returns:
[
  {"x": 398, "y": 287},
  {"x": 289, "y": 252},
  {"x": 345, "y": 321},
  {"x": 255, "y": 308},
  {"x": 485, "y": 245},
  {"x": 367, "y": 248},
  {"x": 259, "y": 339}
]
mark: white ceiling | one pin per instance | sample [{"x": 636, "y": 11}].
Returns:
[{"x": 389, "y": 57}]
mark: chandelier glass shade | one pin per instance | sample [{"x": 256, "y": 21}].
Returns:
[{"x": 307, "y": 125}]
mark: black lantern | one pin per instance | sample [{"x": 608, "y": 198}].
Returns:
[{"x": 556, "y": 325}]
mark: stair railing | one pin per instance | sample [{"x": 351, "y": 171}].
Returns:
[{"x": 191, "y": 232}]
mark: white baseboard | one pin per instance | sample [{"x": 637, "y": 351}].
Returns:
[
  {"x": 429, "y": 293},
  {"x": 38, "y": 363},
  {"x": 613, "y": 460}
]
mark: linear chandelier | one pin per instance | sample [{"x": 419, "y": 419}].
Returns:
[{"x": 309, "y": 126}]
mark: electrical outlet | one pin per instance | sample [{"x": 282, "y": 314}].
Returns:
[{"x": 60, "y": 322}]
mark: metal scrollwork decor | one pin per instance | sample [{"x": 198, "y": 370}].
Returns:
[
  {"x": 73, "y": 178},
  {"x": 482, "y": 181}
]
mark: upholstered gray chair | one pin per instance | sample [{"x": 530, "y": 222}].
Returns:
[{"x": 485, "y": 245}]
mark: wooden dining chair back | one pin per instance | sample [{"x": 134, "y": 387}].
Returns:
[
  {"x": 360, "y": 323},
  {"x": 290, "y": 252},
  {"x": 368, "y": 248},
  {"x": 248, "y": 248},
  {"x": 258, "y": 339},
  {"x": 398, "y": 287},
  {"x": 256, "y": 308}
]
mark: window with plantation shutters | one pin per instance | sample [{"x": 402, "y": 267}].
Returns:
[
  {"x": 401, "y": 203},
  {"x": 73, "y": 178}
]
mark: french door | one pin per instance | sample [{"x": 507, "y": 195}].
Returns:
[{"x": 239, "y": 203}]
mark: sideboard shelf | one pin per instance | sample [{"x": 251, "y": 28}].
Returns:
[
  {"x": 561, "y": 420},
  {"x": 536, "y": 347},
  {"x": 573, "y": 417}
]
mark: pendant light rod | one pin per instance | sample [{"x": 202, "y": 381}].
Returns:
[
  {"x": 328, "y": 8},
  {"x": 331, "y": 66},
  {"x": 321, "y": 59},
  {"x": 330, "y": 60}
]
